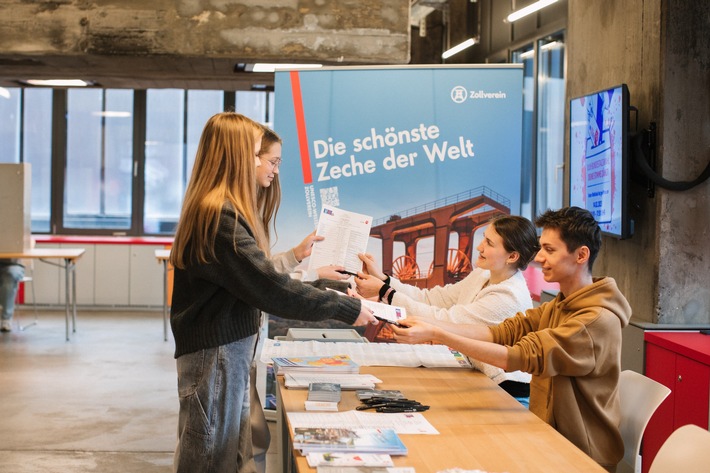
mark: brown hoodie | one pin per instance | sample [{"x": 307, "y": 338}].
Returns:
[{"x": 572, "y": 347}]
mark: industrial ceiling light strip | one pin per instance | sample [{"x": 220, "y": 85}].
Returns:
[
  {"x": 265, "y": 67},
  {"x": 523, "y": 12},
  {"x": 58, "y": 82},
  {"x": 459, "y": 47}
]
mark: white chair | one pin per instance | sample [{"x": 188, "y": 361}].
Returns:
[
  {"x": 639, "y": 397},
  {"x": 687, "y": 450}
]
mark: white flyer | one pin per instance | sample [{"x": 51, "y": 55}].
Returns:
[{"x": 346, "y": 235}]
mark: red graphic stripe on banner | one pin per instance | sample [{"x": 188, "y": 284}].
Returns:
[{"x": 301, "y": 127}]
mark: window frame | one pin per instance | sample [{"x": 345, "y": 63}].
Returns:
[{"x": 59, "y": 160}]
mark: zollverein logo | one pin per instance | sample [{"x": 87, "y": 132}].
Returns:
[{"x": 459, "y": 94}]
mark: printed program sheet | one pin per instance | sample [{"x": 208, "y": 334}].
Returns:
[{"x": 346, "y": 235}]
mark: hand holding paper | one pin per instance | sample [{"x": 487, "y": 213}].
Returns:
[{"x": 346, "y": 235}]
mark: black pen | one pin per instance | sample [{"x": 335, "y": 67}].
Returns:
[
  {"x": 346, "y": 272},
  {"x": 396, "y": 324},
  {"x": 391, "y": 410}
]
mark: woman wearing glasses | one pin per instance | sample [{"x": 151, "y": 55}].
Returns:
[{"x": 268, "y": 201}]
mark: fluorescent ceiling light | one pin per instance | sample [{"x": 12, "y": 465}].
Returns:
[
  {"x": 59, "y": 82},
  {"x": 545, "y": 47},
  {"x": 459, "y": 47},
  {"x": 265, "y": 67},
  {"x": 539, "y": 5},
  {"x": 112, "y": 114},
  {"x": 527, "y": 54},
  {"x": 552, "y": 45}
]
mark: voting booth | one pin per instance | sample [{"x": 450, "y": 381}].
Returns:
[{"x": 15, "y": 184}]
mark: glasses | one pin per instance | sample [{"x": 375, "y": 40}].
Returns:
[{"x": 274, "y": 164}]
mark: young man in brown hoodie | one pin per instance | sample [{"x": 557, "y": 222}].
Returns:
[{"x": 571, "y": 345}]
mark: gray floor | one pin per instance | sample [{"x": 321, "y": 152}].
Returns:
[{"x": 104, "y": 402}]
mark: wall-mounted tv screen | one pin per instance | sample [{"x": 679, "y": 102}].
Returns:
[{"x": 599, "y": 158}]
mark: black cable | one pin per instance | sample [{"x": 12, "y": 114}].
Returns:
[{"x": 640, "y": 159}]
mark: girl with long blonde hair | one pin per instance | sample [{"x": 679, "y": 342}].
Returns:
[{"x": 223, "y": 279}]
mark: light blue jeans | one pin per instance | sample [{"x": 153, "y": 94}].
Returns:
[
  {"x": 10, "y": 276},
  {"x": 214, "y": 433},
  {"x": 525, "y": 401}
]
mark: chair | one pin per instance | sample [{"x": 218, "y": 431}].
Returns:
[
  {"x": 686, "y": 450},
  {"x": 639, "y": 397}
]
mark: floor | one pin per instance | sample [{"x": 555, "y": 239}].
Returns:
[{"x": 105, "y": 401}]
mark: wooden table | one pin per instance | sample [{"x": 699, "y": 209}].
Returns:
[
  {"x": 163, "y": 256},
  {"x": 69, "y": 257},
  {"x": 481, "y": 426}
]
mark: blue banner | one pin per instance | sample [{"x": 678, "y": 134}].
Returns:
[{"x": 398, "y": 143}]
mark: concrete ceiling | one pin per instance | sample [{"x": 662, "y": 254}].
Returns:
[
  {"x": 134, "y": 72},
  {"x": 193, "y": 44}
]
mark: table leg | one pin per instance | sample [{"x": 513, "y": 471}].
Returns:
[
  {"x": 165, "y": 300},
  {"x": 67, "y": 289},
  {"x": 73, "y": 297}
]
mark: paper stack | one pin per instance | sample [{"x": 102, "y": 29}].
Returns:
[
  {"x": 315, "y": 364},
  {"x": 323, "y": 397},
  {"x": 361, "y": 440}
]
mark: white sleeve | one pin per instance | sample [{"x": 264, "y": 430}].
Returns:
[
  {"x": 285, "y": 262},
  {"x": 488, "y": 306}
]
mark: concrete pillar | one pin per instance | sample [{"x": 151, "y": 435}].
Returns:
[{"x": 661, "y": 49}]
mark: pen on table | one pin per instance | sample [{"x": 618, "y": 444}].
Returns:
[{"x": 387, "y": 409}]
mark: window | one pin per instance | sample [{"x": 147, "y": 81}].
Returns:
[
  {"x": 550, "y": 124},
  {"x": 99, "y": 163},
  {"x": 10, "y": 100},
  {"x": 115, "y": 161},
  {"x": 174, "y": 123},
  {"x": 164, "y": 159},
  {"x": 526, "y": 57},
  {"x": 543, "y": 124}
]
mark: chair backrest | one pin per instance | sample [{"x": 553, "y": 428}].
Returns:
[
  {"x": 686, "y": 450},
  {"x": 639, "y": 397}
]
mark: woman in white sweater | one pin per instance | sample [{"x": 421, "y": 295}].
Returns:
[{"x": 494, "y": 291}]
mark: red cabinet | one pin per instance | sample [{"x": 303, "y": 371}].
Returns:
[{"x": 680, "y": 361}]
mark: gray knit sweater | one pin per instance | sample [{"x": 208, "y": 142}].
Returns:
[{"x": 218, "y": 303}]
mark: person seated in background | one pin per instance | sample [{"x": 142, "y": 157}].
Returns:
[
  {"x": 571, "y": 345},
  {"x": 493, "y": 291},
  {"x": 11, "y": 273}
]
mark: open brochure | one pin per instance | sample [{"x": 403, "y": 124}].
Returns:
[
  {"x": 346, "y": 234},
  {"x": 369, "y": 354}
]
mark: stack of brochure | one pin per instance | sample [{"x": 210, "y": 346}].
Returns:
[
  {"x": 346, "y": 381},
  {"x": 324, "y": 392},
  {"x": 315, "y": 364},
  {"x": 358, "y": 439},
  {"x": 323, "y": 397},
  {"x": 316, "y": 460}
]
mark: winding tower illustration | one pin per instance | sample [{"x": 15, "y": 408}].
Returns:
[{"x": 461, "y": 213}]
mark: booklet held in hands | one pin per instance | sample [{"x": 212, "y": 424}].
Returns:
[{"x": 345, "y": 234}]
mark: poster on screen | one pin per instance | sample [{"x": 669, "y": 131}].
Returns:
[{"x": 386, "y": 141}]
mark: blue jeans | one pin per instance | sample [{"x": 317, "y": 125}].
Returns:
[
  {"x": 10, "y": 276},
  {"x": 525, "y": 401},
  {"x": 214, "y": 433}
]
